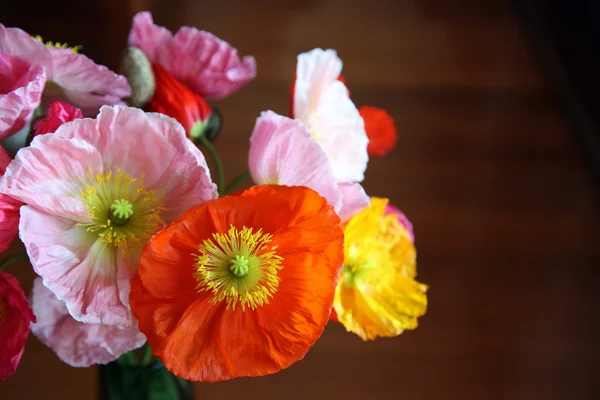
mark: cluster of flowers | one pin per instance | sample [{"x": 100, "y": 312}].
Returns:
[{"x": 134, "y": 243}]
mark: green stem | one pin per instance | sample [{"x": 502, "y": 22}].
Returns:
[
  {"x": 215, "y": 156},
  {"x": 11, "y": 259},
  {"x": 233, "y": 184},
  {"x": 147, "y": 358}
]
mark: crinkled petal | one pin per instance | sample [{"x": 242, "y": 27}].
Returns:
[
  {"x": 78, "y": 344},
  {"x": 162, "y": 154},
  {"x": 209, "y": 65},
  {"x": 78, "y": 268},
  {"x": 354, "y": 199},
  {"x": 283, "y": 152},
  {"x": 9, "y": 209},
  {"x": 315, "y": 71},
  {"x": 49, "y": 175},
  {"x": 21, "y": 86},
  {"x": 86, "y": 84},
  {"x": 339, "y": 129}
]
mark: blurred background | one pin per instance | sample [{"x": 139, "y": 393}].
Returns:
[{"x": 494, "y": 166}]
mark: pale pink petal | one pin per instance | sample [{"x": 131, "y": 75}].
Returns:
[
  {"x": 209, "y": 65},
  {"x": 340, "y": 130},
  {"x": 77, "y": 267},
  {"x": 50, "y": 175},
  {"x": 78, "y": 344},
  {"x": 283, "y": 152},
  {"x": 86, "y": 84},
  {"x": 21, "y": 86},
  {"x": 354, "y": 199},
  {"x": 152, "y": 146},
  {"x": 9, "y": 209},
  {"x": 315, "y": 71}
]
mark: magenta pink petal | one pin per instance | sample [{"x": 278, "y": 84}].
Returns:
[
  {"x": 21, "y": 86},
  {"x": 9, "y": 209}
]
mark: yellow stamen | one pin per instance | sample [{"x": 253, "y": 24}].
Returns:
[
  {"x": 74, "y": 49},
  {"x": 238, "y": 267},
  {"x": 111, "y": 199}
]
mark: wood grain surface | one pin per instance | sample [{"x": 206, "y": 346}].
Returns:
[{"x": 506, "y": 214}]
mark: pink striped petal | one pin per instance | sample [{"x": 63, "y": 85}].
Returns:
[
  {"x": 209, "y": 65},
  {"x": 78, "y": 267},
  {"x": 50, "y": 174},
  {"x": 21, "y": 86},
  {"x": 78, "y": 344}
]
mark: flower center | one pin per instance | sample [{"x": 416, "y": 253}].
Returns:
[
  {"x": 238, "y": 267},
  {"x": 3, "y": 310},
  {"x": 74, "y": 49},
  {"x": 120, "y": 212},
  {"x": 123, "y": 212}
]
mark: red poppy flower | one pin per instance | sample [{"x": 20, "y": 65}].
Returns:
[
  {"x": 15, "y": 318},
  {"x": 240, "y": 286},
  {"x": 58, "y": 114},
  {"x": 173, "y": 98},
  {"x": 381, "y": 130}
]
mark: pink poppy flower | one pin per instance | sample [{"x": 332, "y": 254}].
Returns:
[
  {"x": 15, "y": 318},
  {"x": 209, "y": 65},
  {"x": 282, "y": 152},
  {"x": 9, "y": 209},
  {"x": 323, "y": 104},
  {"x": 58, "y": 114},
  {"x": 76, "y": 343},
  {"x": 84, "y": 83},
  {"x": 402, "y": 219},
  {"x": 96, "y": 190},
  {"x": 21, "y": 86}
]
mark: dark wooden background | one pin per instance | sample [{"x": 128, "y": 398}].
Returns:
[{"x": 507, "y": 215}]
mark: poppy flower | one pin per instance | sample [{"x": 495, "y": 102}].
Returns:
[
  {"x": 71, "y": 75},
  {"x": 402, "y": 219},
  {"x": 96, "y": 190},
  {"x": 381, "y": 130},
  {"x": 76, "y": 343},
  {"x": 15, "y": 317},
  {"x": 58, "y": 114},
  {"x": 283, "y": 152},
  {"x": 322, "y": 103},
  {"x": 9, "y": 209},
  {"x": 377, "y": 294},
  {"x": 240, "y": 286},
  {"x": 209, "y": 65},
  {"x": 21, "y": 85},
  {"x": 176, "y": 100}
]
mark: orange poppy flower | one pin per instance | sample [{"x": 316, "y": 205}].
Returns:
[{"x": 240, "y": 286}]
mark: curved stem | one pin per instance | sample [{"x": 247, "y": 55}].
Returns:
[
  {"x": 11, "y": 259},
  {"x": 215, "y": 156},
  {"x": 233, "y": 184}
]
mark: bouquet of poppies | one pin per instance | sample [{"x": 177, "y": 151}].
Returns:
[{"x": 137, "y": 247}]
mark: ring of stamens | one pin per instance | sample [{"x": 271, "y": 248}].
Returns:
[
  {"x": 238, "y": 267},
  {"x": 123, "y": 212}
]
